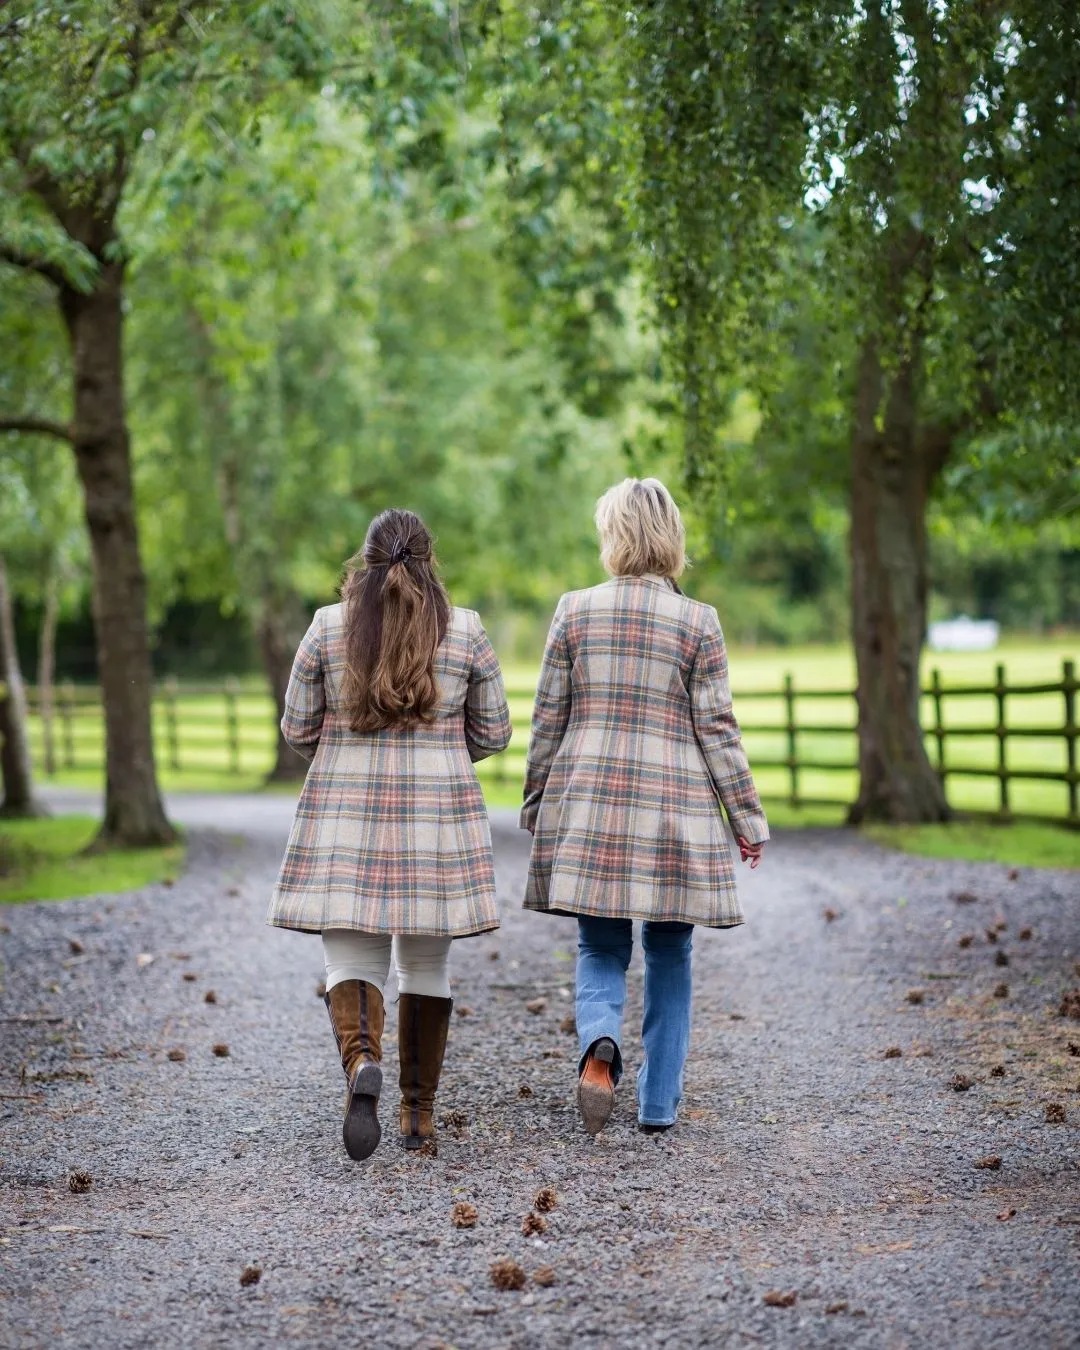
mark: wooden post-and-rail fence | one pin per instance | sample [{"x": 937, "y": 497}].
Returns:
[{"x": 228, "y": 729}]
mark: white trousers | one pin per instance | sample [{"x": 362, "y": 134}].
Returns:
[{"x": 421, "y": 961}]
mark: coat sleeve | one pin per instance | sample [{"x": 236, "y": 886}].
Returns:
[
  {"x": 718, "y": 735},
  {"x": 305, "y": 699},
  {"x": 487, "y": 716},
  {"x": 551, "y": 713}
]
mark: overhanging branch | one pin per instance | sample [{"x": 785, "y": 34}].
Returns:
[
  {"x": 40, "y": 426},
  {"x": 48, "y": 270}
]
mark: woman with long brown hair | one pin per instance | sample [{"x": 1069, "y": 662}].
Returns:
[{"x": 394, "y": 694}]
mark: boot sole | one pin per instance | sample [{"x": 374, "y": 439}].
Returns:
[
  {"x": 597, "y": 1103},
  {"x": 361, "y": 1131}
]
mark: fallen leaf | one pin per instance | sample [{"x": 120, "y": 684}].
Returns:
[
  {"x": 544, "y": 1276},
  {"x": 507, "y": 1274},
  {"x": 776, "y": 1299},
  {"x": 990, "y": 1163},
  {"x": 250, "y": 1275},
  {"x": 536, "y": 1005},
  {"x": 464, "y": 1215}
]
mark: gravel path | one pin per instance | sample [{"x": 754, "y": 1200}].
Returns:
[{"x": 806, "y": 1162}]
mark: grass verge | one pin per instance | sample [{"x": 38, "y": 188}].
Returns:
[
  {"x": 44, "y": 860},
  {"x": 1021, "y": 844}
]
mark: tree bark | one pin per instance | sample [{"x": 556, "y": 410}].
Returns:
[
  {"x": 19, "y": 799},
  {"x": 134, "y": 815},
  {"x": 277, "y": 639},
  {"x": 891, "y": 479},
  {"x": 47, "y": 666}
]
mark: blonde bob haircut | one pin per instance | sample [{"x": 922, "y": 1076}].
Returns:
[{"x": 641, "y": 530}]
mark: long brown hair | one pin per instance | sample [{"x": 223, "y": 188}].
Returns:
[{"x": 396, "y": 611}]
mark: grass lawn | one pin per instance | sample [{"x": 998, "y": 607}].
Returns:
[
  {"x": 1018, "y": 845},
  {"x": 44, "y": 860}
]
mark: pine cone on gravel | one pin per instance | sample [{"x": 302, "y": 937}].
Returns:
[
  {"x": 960, "y": 1082},
  {"x": 966, "y": 940},
  {"x": 209, "y": 996},
  {"x": 177, "y": 1056},
  {"x": 532, "y": 1224},
  {"x": 189, "y": 976},
  {"x": 79, "y": 1182},
  {"x": 1054, "y": 1113},
  {"x": 544, "y": 1276},
  {"x": 1001, "y": 990},
  {"x": 990, "y": 1163},
  {"x": 893, "y": 1052},
  {"x": 1025, "y": 934},
  {"x": 1001, "y": 959},
  {"x": 569, "y": 1025},
  {"x": 428, "y": 1149},
  {"x": 998, "y": 1071},
  {"x": 221, "y": 1050},
  {"x": 507, "y": 1274},
  {"x": 915, "y": 995},
  {"x": 250, "y": 1275},
  {"x": 1070, "y": 1004},
  {"x": 775, "y": 1298},
  {"x": 464, "y": 1215},
  {"x": 546, "y": 1199}
]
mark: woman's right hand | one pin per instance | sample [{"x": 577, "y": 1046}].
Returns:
[{"x": 751, "y": 852}]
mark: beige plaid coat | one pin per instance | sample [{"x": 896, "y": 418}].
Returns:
[
  {"x": 391, "y": 832},
  {"x": 634, "y": 748}
]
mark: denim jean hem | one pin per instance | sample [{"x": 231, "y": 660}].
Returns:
[{"x": 652, "y": 1117}]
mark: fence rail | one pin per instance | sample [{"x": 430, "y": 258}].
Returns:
[{"x": 797, "y": 754}]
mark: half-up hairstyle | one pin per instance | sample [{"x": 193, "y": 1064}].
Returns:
[{"x": 396, "y": 612}]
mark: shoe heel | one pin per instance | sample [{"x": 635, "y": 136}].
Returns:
[
  {"x": 361, "y": 1132},
  {"x": 367, "y": 1080},
  {"x": 604, "y": 1051}
]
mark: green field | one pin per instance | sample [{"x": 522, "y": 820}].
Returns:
[
  {"x": 210, "y": 753},
  {"x": 45, "y": 860}
]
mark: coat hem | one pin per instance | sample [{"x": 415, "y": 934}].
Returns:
[
  {"x": 299, "y": 926},
  {"x": 537, "y": 908}
]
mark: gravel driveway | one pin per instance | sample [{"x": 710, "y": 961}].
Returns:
[{"x": 807, "y": 1162}]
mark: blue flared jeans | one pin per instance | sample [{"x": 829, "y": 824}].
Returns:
[{"x": 604, "y": 948}]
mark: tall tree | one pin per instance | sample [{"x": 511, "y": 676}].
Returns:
[
  {"x": 82, "y": 89},
  {"x": 15, "y": 773}
]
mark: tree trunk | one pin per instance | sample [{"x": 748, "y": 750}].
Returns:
[
  {"x": 47, "y": 666},
  {"x": 18, "y": 784},
  {"x": 277, "y": 645},
  {"x": 891, "y": 478},
  {"x": 134, "y": 814}
]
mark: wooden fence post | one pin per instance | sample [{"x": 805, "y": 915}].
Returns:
[
  {"x": 1002, "y": 733},
  {"x": 1069, "y": 686},
  {"x": 792, "y": 731},
  {"x": 67, "y": 718},
  {"x": 172, "y": 734},
  {"x": 939, "y": 723},
  {"x": 232, "y": 723}
]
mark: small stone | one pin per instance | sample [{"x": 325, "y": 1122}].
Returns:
[
  {"x": 893, "y": 1052},
  {"x": 915, "y": 995},
  {"x": 838, "y": 1307},
  {"x": 546, "y": 1199},
  {"x": 464, "y": 1215},
  {"x": 250, "y": 1275},
  {"x": 998, "y": 1071},
  {"x": 221, "y": 1050},
  {"x": 189, "y": 976},
  {"x": 544, "y": 1276},
  {"x": 960, "y": 1082},
  {"x": 1007, "y": 1214},
  {"x": 536, "y": 1005},
  {"x": 1001, "y": 990},
  {"x": 177, "y": 1056},
  {"x": 966, "y": 940},
  {"x": 1026, "y": 934},
  {"x": 525, "y": 1091},
  {"x": 990, "y": 1163},
  {"x": 507, "y": 1275},
  {"x": 209, "y": 996},
  {"x": 532, "y": 1224},
  {"x": 1054, "y": 1112},
  {"x": 79, "y": 1182},
  {"x": 144, "y": 959},
  {"x": 76, "y": 946},
  {"x": 1001, "y": 959},
  {"x": 777, "y": 1299}
]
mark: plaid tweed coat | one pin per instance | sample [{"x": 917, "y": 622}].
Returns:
[
  {"x": 391, "y": 832},
  {"x": 634, "y": 747}
]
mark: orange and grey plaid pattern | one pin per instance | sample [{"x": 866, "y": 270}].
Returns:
[
  {"x": 634, "y": 747},
  {"x": 391, "y": 832}
]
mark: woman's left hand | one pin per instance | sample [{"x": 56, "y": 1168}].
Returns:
[{"x": 751, "y": 852}]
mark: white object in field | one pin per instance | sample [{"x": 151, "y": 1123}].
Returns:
[{"x": 964, "y": 635}]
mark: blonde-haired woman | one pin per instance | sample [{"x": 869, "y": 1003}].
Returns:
[
  {"x": 393, "y": 694},
  {"x": 634, "y": 748}
]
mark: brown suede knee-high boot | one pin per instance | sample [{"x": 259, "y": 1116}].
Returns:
[
  {"x": 423, "y": 1023},
  {"x": 357, "y": 1015}
]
